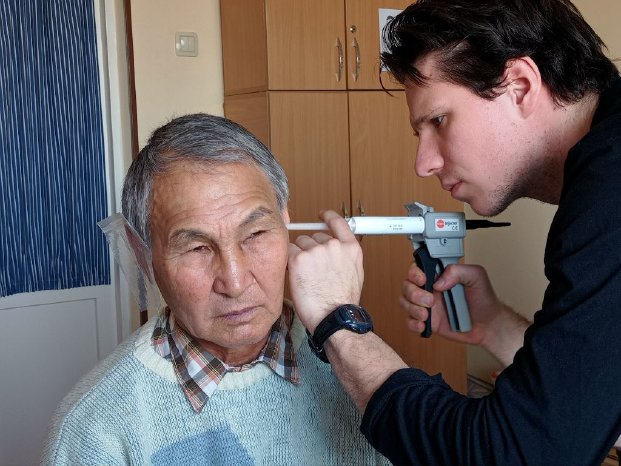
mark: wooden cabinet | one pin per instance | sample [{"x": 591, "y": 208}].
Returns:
[
  {"x": 306, "y": 135},
  {"x": 307, "y": 36},
  {"x": 363, "y": 43},
  {"x": 303, "y": 44},
  {"x": 343, "y": 144}
]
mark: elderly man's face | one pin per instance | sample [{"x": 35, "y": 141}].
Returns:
[{"x": 219, "y": 245}]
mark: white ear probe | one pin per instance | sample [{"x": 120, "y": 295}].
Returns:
[{"x": 372, "y": 225}]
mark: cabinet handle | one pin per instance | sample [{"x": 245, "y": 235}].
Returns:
[
  {"x": 344, "y": 210},
  {"x": 340, "y": 60},
  {"x": 361, "y": 208},
  {"x": 361, "y": 211},
  {"x": 356, "y": 47}
]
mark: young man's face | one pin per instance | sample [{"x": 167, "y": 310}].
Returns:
[
  {"x": 471, "y": 144},
  {"x": 219, "y": 245}
]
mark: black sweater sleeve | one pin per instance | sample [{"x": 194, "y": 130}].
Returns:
[{"x": 418, "y": 419}]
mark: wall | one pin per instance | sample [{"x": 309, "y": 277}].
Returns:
[
  {"x": 514, "y": 256},
  {"x": 168, "y": 85}
]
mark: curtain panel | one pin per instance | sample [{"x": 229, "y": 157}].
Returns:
[{"x": 52, "y": 175}]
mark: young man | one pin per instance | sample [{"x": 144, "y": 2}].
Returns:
[
  {"x": 223, "y": 374},
  {"x": 509, "y": 99}
]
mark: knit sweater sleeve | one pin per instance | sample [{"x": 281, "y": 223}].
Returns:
[
  {"x": 76, "y": 443},
  {"x": 87, "y": 427}
]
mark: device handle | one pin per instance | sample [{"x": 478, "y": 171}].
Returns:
[
  {"x": 455, "y": 302},
  {"x": 428, "y": 265},
  {"x": 454, "y": 298},
  {"x": 457, "y": 309}
]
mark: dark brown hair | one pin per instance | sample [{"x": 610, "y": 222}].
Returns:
[{"x": 473, "y": 41}]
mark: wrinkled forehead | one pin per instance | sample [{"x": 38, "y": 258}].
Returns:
[
  {"x": 191, "y": 189},
  {"x": 197, "y": 175},
  {"x": 198, "y": 166}
]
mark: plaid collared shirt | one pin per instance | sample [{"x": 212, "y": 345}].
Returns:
[{"x": 199, "y": 372}]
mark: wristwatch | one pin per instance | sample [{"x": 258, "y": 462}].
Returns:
[{"x": 348, "y": 316}]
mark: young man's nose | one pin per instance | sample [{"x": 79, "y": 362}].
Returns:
[{"x": 428, "y": 159}]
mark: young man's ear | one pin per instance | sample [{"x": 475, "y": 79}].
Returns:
[{"x": 522, "y": 82}]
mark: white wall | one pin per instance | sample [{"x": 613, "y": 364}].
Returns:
[
  {"x": 514, "y": 256},
  {"x": 168, "y": 85}
]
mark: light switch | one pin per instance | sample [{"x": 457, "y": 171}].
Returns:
[{"x": 186, "y": 44}]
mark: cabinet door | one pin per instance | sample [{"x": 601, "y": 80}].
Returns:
[
  {"x": 244, "y": 53},
  {"x": 309, "y": 137},
  {"x": 305, "y": 44},
  {"x": 363, "y": 43},
  {"x": 382, "y": 148},
  {"x": 250, "y": 111}
]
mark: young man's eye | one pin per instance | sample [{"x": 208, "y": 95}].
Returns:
[{"x": 438, "y": 120}]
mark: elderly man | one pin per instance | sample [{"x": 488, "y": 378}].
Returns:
[{"x": 222, "y": 375}]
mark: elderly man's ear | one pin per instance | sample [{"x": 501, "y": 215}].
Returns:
[
  {"x": 285, "y": 216},
  {"x": 140, "y": 251}
]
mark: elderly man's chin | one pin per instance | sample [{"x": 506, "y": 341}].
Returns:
[{"x": 234, "y": 333}]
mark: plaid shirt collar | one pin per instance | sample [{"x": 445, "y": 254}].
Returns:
[{"x": 199, "y": 372}]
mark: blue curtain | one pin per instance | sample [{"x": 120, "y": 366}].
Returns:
[{"x": 52, "y": 170}]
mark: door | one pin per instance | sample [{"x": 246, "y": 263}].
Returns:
[
  {"x": 382, "y": 175},
  {"x": 363, "y": 43},
  {"x": 306, "y": 44},
  {"x": 243, "y": 40},
  {"x": 50, "y": 339},
  {"x": 309, "y": 138}
]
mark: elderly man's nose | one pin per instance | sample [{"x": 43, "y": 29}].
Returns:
[{"x": 233, "y": 275}]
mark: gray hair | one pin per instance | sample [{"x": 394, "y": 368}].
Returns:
[{"x": 198, "y": 138}]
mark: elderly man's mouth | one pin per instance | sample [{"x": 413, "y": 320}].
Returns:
[{"x": 240, "y": 315}]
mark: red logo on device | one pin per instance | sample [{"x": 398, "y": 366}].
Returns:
[{"x": 440, "y": 223}]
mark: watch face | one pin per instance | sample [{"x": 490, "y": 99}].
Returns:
[
  {"x": 355, "y": 318},
  {"x": 355, "y": 314}
]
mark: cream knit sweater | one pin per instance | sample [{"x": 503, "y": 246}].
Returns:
[{"x": 131, "y": 410}]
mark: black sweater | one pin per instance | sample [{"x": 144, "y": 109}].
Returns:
[{"x": 559, "y": 403}]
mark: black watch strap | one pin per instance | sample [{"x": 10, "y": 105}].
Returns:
[
  {"x": 347, "y": 316},
  {"x": 319, "y": 351}
]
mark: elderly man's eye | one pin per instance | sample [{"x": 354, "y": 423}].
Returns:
[
  {"x": 255, "y": 234},
  {"x": 202, "y": 249}
]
